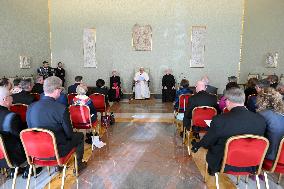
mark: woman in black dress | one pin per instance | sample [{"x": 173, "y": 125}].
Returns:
[{"x": 115, "y": 89}]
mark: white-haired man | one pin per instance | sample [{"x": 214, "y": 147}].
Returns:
[{"x": 141, "y": 85}]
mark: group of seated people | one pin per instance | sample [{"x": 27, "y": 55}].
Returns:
[
  {"x": 266, "y": 119},
  {"x": 50, "y": 112}
]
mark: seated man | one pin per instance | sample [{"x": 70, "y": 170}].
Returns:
[
  {"x": 38, "y": 86},
  {"x": 201, "y": 98},
  {"x": 24, "y": 97},
  {"x": 209, "y": 88},
  {"x": 56, "y": 119},
  {"x": 238, "y": 121},
  {"x": 10, "y": 128},
  {"x": 78, "y": 81},
  {"x": 141, "y": 85}
]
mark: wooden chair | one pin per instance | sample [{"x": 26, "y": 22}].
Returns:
[{"x": 41, "y": 150}]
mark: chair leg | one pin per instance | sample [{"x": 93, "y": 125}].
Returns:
[
  {"x": 206, "y": 172},
  {"x": 29, "y": 177},
  {"x": 238, "y": 180},
  {"x": 188, "y": 145},
  {"x": 266, "y": 180},
  {"x": 76, "y": 165},
  {"x": 246, "y": 179},
  {"x": 63, "y": 177},
  {"x": 34, "y": 169},
  {"x": 279, "y": 178},
  {"x": 217, "y": 181},
  {"x": 48, "y": 170},
  {"x": 257, "y": 181},
  {"x": 183, "y": 137},
  {"x": 14, "y": 178}
]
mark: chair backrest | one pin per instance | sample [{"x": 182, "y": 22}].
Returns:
[
  {"x": 36, "y": 95},
  {"x": 98, "y": 100},
  {"x": 70, "y": 97},
  {"x": 39, "y": 144},
  {"x": 183, "y": 102},
  {"x": 4, "y": 154},
  {"x": 201, "y": 113},
  {"x": 20, "y": 109},
  {"x": 226, "y": 110},
  {"x": 245, "y": 151},
  {"x": 80, "y": 116},
  {"x": 280, "y": 156}
]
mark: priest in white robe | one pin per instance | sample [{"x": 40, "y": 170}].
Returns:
[{"x": 141, "y": 85}]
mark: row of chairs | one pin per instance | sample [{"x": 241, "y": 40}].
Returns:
[
  {"x": 240, "y": 151},
  {"x": 41, "y": 150}
]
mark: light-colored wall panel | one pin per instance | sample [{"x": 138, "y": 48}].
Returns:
[
  {"x": 171, "y": 22},
  {"x": 23, "y": 31}
]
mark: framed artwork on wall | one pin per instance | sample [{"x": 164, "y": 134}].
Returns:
[
  {"x": 25, "y": 62},
  {"x": 198, "y": 36},
  {"x": 89, "y": 48},
  {"x": 250, "y": 75},
  {"x": 142, "y": 38},
  {"x": 271, "y": 60}
]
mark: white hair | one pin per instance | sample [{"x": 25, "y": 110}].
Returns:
[{"x": 4, "y": 92}]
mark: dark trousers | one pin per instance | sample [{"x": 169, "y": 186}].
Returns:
[
  {"x": 186, "y": 123},
  {"x": 76, "y": 141}
]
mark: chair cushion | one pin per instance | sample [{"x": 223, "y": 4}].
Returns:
[
  {"x": 52, "y": 161},
  {"x": 267, "y": 165}
]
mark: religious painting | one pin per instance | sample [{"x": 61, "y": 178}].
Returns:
[
  {"x": 271, "y": 60},
  {"x": 198, "y": 36},
  {"x": 250, "y": 75},
  {"x": 89, "y": 48},
  {"x": 25, "y": 62},
  {"x": 142, "y": 38}
]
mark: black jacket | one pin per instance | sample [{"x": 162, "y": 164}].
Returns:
[
  {"x": 49, "y": 114},
  {"x": 10, "y": 128},
  {"x": 72, "y": 88},
  {"x": 202, "y": 98},
  {"x": 237, "y": 122},
  {"x": 23, "y": 97},
  {"x": 37, "y": 88}
]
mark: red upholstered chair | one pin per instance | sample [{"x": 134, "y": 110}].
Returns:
[
  {"x": 20, "y": 109},
  {"x": 199, "y": 114},
  {"x": 98, "y": 100},
  {"x": 183, "y": 102},
  {"x": 244, "y": 151},
  {"x": 4, "y": 155},
  {"x": 226, "y": 110},
  {"x": 70, "y": 97},
  {"x": 276, "y": 166},
  {"x": 41, "y": 150},
  {"x": 81, "y": 118},
  {"x": 36, "y": 95}
]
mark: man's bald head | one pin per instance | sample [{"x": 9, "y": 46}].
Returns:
[{"x": 200, "y": 86}]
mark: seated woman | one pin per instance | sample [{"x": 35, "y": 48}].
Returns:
[
  {"x": 271, "y": 107},
  {"x": 83, "y": 99},
  {"x": 102, "y": 89},
  {"x": 250, "y": 88},
  {"x": 183, "y": 89},
  {"x": 115, "y": 88}
]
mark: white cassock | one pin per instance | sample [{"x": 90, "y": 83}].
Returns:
[{"x": 141, "y": 85}]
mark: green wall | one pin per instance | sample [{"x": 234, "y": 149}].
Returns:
[
  {"x": 171, "y": 22},
  {"x": 23, "y": 31},
  {"x": 263, "y": 33}
]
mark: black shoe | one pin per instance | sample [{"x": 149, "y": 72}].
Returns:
[
  {"x": 181, "y": 134},
  {"x": 81, "y": 166},
  {"x": 210, "y": 172},
  {"x": 88, "y": 140}
]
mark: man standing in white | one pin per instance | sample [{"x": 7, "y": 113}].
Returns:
[{"x": 141, "y": 84}]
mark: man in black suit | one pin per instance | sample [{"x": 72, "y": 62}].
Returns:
[
  {"x": 38, "y": 86},
  {"x": 24, "y": 97},
  {"x": 201, "y": 98},
  {"x": 209, "y": 88},
  {"x": 45, "y": 70},
  {"x": 238, "y": 121},
  {"x": 78, "y": 81},
  {"x": 10, "y": 128},
  {"x": 49, "y": 114},
  {"x": 60, "y": 72}
]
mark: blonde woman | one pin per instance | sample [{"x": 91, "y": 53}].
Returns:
[{"x": 271, "y": 107}]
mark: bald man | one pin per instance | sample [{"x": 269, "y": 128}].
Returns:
[{"x": 201, "y": 98}]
